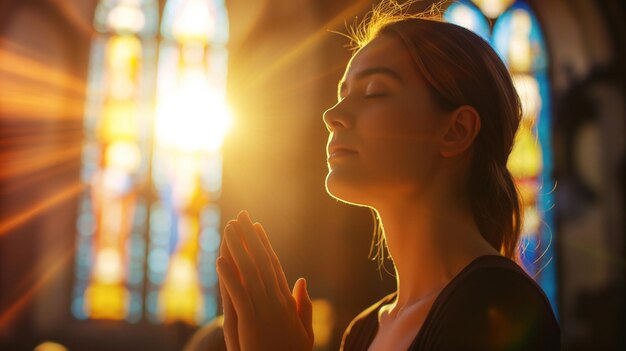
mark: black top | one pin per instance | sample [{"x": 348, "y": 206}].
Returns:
[{"x": 492, "y": 304}]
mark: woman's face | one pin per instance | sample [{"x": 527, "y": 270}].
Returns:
[{"x": 384, "y": 130}]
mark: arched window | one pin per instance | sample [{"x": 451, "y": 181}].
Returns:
[
  {"x": 514, "y": 32},
  {"x": 155, "y": 117}
]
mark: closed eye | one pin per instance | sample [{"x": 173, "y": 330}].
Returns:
[{"x": 376, "y": 95}]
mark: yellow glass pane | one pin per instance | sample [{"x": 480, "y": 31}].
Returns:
[
  {"x": 525, "y": 159},
  {"x": 123, "y": 57},
  {"x": 528, "y": 90},
  {"x": 520, "y": 50},
  {"x": 532, "y": 221},
  {"x": 180, "y": 297},
  {"x": 106, "y": 301},
  {"x": 123, "y": 155},
  {"x": 186, "y": 187},
  {"x": 123, "y": 53},
  {"x": 108, "y": 267},
  {"x": 119, "y": 121},
  {"x": 493, "y": 8}
]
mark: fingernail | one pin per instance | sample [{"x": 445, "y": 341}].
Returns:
[
  {"x": 230, "y": 228},
  {"x": 221, "y": 263},
  {"x": 245, "y": 214}
]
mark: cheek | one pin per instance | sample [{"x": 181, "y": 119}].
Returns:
[
  {"x": 401, "y": 160},
  {"x": 405, "y": 145}
]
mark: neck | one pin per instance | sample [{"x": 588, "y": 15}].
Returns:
[{"x": 430, "y": 241}]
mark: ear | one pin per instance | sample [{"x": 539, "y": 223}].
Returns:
[{"x": 461, "y": 130}]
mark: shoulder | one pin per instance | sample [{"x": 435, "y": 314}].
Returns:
[
  {"x": 495, "y": 305},
  {"x": 364, "y": 326}
]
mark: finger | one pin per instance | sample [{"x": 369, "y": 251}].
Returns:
[
  {"x": 230, "y": 317},
  {"x": 257, "y": 250},
  {"x": 224, "y": 251},
  {"x": 247, "y": 271},
  {"x": 236, "y": 291},
  {"x": 278, "y": 269},
  {"x": 304, "y": 305},
  {"x": 230, "y": 320}
]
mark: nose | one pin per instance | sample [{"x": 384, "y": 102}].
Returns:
[{"x": 336, "y": 117}]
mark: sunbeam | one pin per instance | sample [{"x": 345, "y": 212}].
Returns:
[
  {"x": 20, "y": 163},
  {"x": 18, "y": 219},
  {"x": 52, "y": 269},
  {"x": 15, "y": 63},
  {"x": 308, "y": 44},
  {"x": 27, "y": 85},
  {"x": 22, "y": 183},
  {"x": 72, "y": 16}
]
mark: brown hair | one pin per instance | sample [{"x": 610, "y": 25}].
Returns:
[{"x": 460, "y": 68}]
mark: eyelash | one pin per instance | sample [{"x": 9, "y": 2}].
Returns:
[
  {"x": 366, "y": 96},
  {"x": 370, "y": 96}
]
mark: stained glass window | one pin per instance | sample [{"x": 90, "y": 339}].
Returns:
[
  {"x": 516, "y": 36},
  {"x": 191, "y": 119},
  {"x": 147, "y": 228}
]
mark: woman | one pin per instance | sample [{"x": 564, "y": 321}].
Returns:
[{"x": 421, "y": 133}]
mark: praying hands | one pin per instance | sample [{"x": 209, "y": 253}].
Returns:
[{"x": 260, "y": 311}]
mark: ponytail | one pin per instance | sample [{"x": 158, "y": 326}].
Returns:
[{"x": 495, "y": 204}]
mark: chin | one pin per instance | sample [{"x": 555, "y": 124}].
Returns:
[{"x": 345, "y": 191}]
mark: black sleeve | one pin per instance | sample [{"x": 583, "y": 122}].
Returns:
[{"x": 497, "y": 309}]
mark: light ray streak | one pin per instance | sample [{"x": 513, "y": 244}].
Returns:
[
  {"x": 27, "y": 85},
  {"x": 29, "y": 106},
  {"x": 308, "y": 44},
  {"x": 15, "y": 164},
  {"x": 19, "y": 65},
  {"x": 292, "y": 89},
  {"x": 20, "y": 218},
  {"x": 28, "y": 135},
  {"x": 71, "y": 14},
  {"x": 53, "y": 268},
  {"x": 9, "y": 45},
  {"x": 22, "y": 183}
]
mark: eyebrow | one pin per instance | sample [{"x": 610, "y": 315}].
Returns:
[{"x": 368, "y": 72}]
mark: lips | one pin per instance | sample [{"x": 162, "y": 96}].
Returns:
[{"x": 338, "y": 150}]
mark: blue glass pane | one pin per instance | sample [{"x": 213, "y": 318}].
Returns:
[
  {"x": 210, "y": 306},
  {"x": 168, "y": 18},
  {"x": 547, "y": 277},
  {"x": 135, "y": 308},
  {"x": 465, "y": 14},
  {"x": 221, "y": 23},
  {"x": 77, "y": 308},
  {"x": 517, "y": 34}
]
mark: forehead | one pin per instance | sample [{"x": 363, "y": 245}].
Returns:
[{"x": 385, "y": 51}]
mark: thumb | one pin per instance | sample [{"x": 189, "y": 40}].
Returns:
[{"x": 304, "y": 305}]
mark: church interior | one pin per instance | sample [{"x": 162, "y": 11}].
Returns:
[{"x": 131, "y": 131}]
